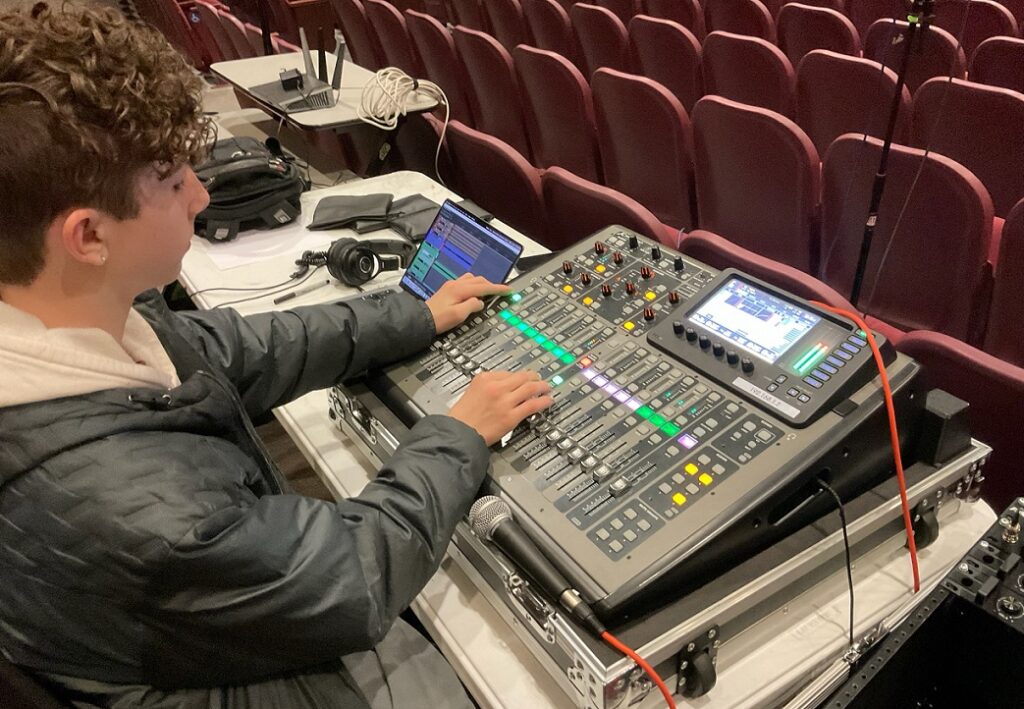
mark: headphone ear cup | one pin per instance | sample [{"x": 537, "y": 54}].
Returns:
[
  {"x": 352, "y": 263},
  {"x": 335, "y": 257}
]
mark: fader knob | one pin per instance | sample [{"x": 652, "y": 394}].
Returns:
[
  {"x": 691, "y": 334},
  {"x": 585, "y": 278},
  {"x": 677, "y": 328},
  {"x": 679, "y": 264},
  {"x": 599, "y": 247},
  {"x": 673, "y": 297},
  {"x": 630, "y": 287},
  {"x": 747, "y": 365},
  {"x": 648, "y": 314},
  {"x": 718, "y": 348},
  {"x": 566, "y": 266},
  {"x": 731, "y": 357},
  {"x": 704, "y": 341},
  {"x": 646, "y": 272},
  {"x": 606, "y": 290},
  {"x": 656, "y": 253},
  {"x": 634, "y": 243},
  {"x": 617, "y": 258}
]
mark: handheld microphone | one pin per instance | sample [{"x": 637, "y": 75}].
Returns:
[{"x": 491, "y": 520}]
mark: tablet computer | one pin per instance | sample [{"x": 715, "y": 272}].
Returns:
[{"x": 456, "y": 243}]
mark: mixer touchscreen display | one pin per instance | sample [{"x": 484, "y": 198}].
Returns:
[{"x": 754, "y": 320}]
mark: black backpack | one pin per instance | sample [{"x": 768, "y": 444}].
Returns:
[{"x": 250, "y": 187}]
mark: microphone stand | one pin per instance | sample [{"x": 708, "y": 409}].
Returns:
[
  {"x": 920, "y": 14},
  {"x": 261, "y": 12}
]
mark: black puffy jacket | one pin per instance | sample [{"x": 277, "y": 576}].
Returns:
[{"x": 145, "y": 536}]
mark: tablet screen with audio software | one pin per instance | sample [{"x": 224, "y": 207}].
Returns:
[{"x": 457, "y": 243}]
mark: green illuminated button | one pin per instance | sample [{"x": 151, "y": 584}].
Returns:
[
  {"x": 657, "y": 420},
  {"x": 556, "y": 380},
  {"x": 558, "y": 351},
  {"x": 505, "y": 314},
  {"x": 548, "y": 345},
  {"x": 670, "y": 428},
  {"x": 540, "y": 339},
  {"x": 515, "y": 297},
  {"x": 522, "y": 326},
  {"x": 514, "y": 320},
  {"x": 645, "y": 412},
  {"x": 568, "y": 359},
  {"x": 531, "y": 332}
]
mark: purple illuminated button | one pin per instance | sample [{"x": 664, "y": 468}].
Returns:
[
  {"x": 600, "y": 381},
  {"x": 634, "y": 404},
  {"x": 687, "y": 441},
  {"x": 621, "y": 396},
  {"x": 589, "y": 373},
  {"x": 610, "y": 387}
]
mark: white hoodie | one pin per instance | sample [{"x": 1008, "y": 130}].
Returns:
[{"x": 39, "y": 364}]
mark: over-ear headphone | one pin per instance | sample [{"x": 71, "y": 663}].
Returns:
[{"x": 354, "y": 262}]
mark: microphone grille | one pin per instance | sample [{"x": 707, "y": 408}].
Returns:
[{"x": 486, "y": 514}]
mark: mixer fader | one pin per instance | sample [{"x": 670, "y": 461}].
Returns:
[{"x": 687, "y": 402}]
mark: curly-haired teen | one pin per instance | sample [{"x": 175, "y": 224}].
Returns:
[{"x": 149, "y": 552}]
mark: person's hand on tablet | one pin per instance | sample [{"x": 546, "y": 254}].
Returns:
[{"x": 456, "y": 300}]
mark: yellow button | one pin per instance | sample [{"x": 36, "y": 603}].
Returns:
[
  {"x": 599, "y": 268},
  {"x": 588, "y": 300},
  {"x": 629, "y": 325},
  {"x": 567, "y": 289},
  {"x": 705, "y": 479},
  {"x": 691, "y": 468},
  {"x": 679, "y": 498},
  {"x": 650, "y": 295}
]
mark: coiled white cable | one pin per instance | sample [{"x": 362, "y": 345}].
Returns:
[{"x": 388, "y": 96}]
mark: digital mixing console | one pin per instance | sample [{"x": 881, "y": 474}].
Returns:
[{"x": 694, "y": 411}]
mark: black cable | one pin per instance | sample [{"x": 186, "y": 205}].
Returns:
[
  {"x": 269, "y": 290},
  {"x": 846, "y": 544},
  {"x": 231, "y": 288}
]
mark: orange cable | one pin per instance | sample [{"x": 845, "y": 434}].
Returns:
[
  {"x": 893, "y": 433},
  {"x": 618, "y": 645}
]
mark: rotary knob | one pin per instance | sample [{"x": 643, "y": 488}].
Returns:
[
  {"x": 747, "y": 365},
  {"x": 704, "y": 341},
  {"x": 731, "y": 357},
  {"x": 606, "y": 290},
  {"x": 634, "y": 243},
  {"x": 617, "y": 258},
  {"x": 585, "y": 278},
  {"x": 718, "y": 348},
  {"x": 656, "y": 253},
  {"x": 678, "y": 264},
  {"x": 677, "y": 328},
  {"x": 691, "y": 334},
  {"x": 599, "y": 247},
  {"x": 648, "y": 314},
  {"x": 566, "y": 266},
  {"x": 673, "y": 297},
  {"x": 630, "y": 287},
  {"x": 646, "y": 272}
]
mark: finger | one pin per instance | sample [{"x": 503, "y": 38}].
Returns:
[
  {"x": 529, "y": 390},
  {"x": 532, "y": 406},
  {"x": 498, "y": 375},
  {"x": 471, "y": 288},
  {"x": 520, "y": 379},
  {"x": 512, "y": 381},
  {"x": 466, "y": 307}
]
